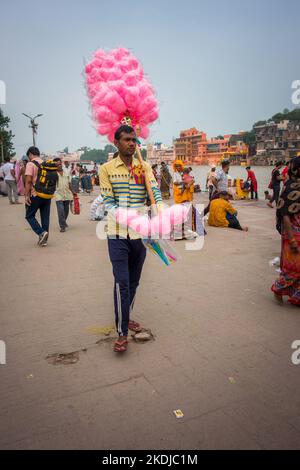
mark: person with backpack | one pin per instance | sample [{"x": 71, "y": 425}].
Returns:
[
  {"x": 274, "y": 184},
  {"x": 40, "y": 185}
]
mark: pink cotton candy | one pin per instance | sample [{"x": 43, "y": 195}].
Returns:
[
  {"x": 144, "y": 132},
  {"x": 104, "y": 129},
  {"x": 124, "y": 215},
  {"x": 178, "y": 213},
  {"x": 131, "y": 96},
  {"x": 100, "y": 53},
  {"x": 105, "y": 114},
  {"x": 114, "y": 101},
  {"x": 160, "y": 225},
  {"x": 120, "y": 53},
  {"x": 141, "y": 225},
  {"x": 117, "y": 88}
]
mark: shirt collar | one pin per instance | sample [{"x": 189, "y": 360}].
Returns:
[{"x": 119, "y": 161}]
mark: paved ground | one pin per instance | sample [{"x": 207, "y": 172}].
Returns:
[{"x": 222, "y": 349}]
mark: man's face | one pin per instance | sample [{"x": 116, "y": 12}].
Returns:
[
  {"x": 59, "y": 165},
  {"x": 226, "y": 168},
  {"x": 126, "y": 145},
  {"x": 67, "y": 164}
]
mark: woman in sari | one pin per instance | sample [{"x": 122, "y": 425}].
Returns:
[
  {"x": 20, "y": 175},
  {"x": 181, "y": 193},
  {"x": 166, "y": 180},
  {"x": 288, "y": 225}
]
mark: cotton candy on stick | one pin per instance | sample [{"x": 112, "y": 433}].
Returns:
[{"x": 117, "y": 88}]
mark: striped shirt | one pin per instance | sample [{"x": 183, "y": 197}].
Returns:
[{"x": 121, "y": 186}]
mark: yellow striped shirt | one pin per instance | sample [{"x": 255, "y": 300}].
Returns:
[{"x": 120, "y": 188}]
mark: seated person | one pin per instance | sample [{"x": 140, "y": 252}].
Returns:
[
  {"x": 187, "y": 179},
  {"x": 223, "y": 214}
]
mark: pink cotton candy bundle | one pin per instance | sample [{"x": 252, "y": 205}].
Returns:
[
  {"x": 159, "y": 225},
  {"x": 117, "y": 88},
  {"x": 162, "y": 223}
]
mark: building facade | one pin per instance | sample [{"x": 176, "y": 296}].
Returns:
[
  {"x": 158, "y": 152},
  {"x": 193, "y": 147},
  {"x": 186, "y": 146},
  {"x": 277, "y": 141}
]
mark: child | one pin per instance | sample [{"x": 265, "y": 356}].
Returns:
[
  {"x": 187, "y": 179},
  {"x": 268, "y": 196}
]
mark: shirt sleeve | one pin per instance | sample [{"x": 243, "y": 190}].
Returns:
[
  {"x": 218, "y": 175},
  {"x": 229, "y": 208},
  {"x": 106, "y": 190},
  {"x": 29, "y": 170}
]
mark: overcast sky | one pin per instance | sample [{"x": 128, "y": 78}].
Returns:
[{"x": 219, "y": 65}]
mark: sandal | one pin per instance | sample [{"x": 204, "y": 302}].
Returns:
[
  {"x": 134, "y": 326},
  {"x": 121, "y": 345}
]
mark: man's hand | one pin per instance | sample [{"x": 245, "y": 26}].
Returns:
[{"x": 27, "y": 200}]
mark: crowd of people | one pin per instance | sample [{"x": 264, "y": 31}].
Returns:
[{"x": 40, "y": 181}]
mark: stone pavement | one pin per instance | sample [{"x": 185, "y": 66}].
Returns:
[{"x": 222, "y": 349}]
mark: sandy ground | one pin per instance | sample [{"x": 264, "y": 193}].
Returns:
[{"x": 222, "y": 349}]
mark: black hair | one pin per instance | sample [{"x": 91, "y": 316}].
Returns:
[
  {"x": 294, "y": 169},
  {"x": 123, "y": 128},
  {"x": 248, "y": 167},
  {"x": 163, "y": 163},
  {"x": 7, "y": 159},
  {"x": 34, "y": 151},
  {"x": 57, "y": 159},
  {"x": 278, "y": 164},
  {"x": 225, "y": 163}
]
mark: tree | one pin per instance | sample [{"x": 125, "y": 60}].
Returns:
[
  {"x": 97, "y": 155},
  {"x": 6, "y": 136},
  {"x": 66, "y": 150}
]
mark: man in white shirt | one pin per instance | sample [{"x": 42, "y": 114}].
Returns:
[
  {"x": 10, "y": 180},
  {"x": 220, "y": 181}
]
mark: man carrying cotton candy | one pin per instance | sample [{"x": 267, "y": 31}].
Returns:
[{"x": 122, "y": 185}]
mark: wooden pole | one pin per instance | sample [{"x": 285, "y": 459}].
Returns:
[{"x": 147, "y": 181}]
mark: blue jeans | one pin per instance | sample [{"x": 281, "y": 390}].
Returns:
[
  {"x": 127, "y": 258},
  {"x": 38, "y": 203},
  {"x": 233, "y": 221}
]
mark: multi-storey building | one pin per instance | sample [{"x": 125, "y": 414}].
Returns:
[
  {"x": 186, "y": 146},
  {"x": 277, "y": 140},
  {"x": 158, "y": 152},
  {"x": 194, "y": 147}
]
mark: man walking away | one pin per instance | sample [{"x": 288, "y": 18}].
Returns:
[
  {"x": 10, "y": 180},
  {"x": 40, "y": 184}
]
